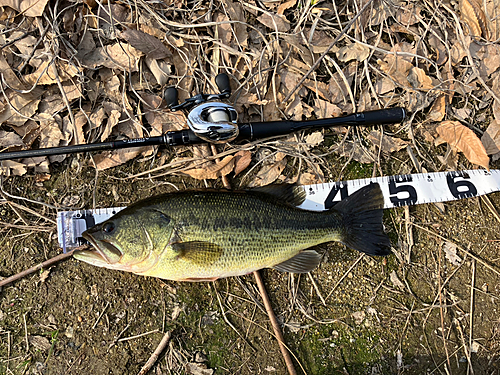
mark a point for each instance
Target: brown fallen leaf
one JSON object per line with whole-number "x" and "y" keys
{"x": 389, "y": 144}
{"x": 9, "y": 167}
{"x": 115, "y": 56}
{"x": 29, "y": 8}
{"x": 274, "y": 22}
{"x": 314, "y": 139}
{"x": 49, "y": 72}
{"x": 110, "y": 159}
{"x": 353, "y": 51}
{"x": 151, "y": 46}
{"x": 242, "y": 160}
{"x": 44, "y": 275}
{"x": 213, "y": 170}
{"x": 438, "y": 109}
{"x": 419, "y": 80}
{"x": 269, "y": 172}
{"x": 473, "y": 15}
{"x": 9, "y": 140}
{"x": 465, "y": 140}
{"x": 491, "y": 138}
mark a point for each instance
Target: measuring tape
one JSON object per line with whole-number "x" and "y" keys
{"x": 402, "y": 190}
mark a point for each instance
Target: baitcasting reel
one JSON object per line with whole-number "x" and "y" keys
{"x": 210, "y": 120}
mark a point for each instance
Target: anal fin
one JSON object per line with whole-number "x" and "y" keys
{"x": 303, "y": 262}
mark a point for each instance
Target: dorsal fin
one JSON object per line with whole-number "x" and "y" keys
{"x": 289, "y": 193}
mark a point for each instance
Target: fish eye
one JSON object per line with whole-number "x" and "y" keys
{"x": 108, "y": 227}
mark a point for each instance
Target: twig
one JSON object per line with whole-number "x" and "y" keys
{"x": 138, "y": 336}
{"x": 345, "y": 275}
{"x": 154, "y": 357}
{"x": 45, "y": 264}
{"x": 471, "y": 315}
{"x": 274, "y": 323}
{"x": 441, "y": 309}
{"x": 316, "y": 288}
{"x": 100, "y": 316}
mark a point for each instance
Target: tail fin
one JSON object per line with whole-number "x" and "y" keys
{"x": 362, "y": 216}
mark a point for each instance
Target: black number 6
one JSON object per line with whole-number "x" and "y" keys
{"x": 467, "y": 188}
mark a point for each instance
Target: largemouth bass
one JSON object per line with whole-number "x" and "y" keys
{"x": 206, "y": 235}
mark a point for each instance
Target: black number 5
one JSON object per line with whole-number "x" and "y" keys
{"x": 408, "y": 189}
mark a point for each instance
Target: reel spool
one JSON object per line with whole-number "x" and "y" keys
{"x": 210, "y": 120}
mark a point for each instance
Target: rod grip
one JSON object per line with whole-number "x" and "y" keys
{"x": 381, "y": 116}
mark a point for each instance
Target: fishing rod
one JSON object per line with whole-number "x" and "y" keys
{"x": 212, "y": 121}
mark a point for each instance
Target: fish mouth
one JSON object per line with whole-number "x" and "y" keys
{"x": 97, "y": 256}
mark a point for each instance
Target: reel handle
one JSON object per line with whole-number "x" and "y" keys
{"x": 222, "y": 82}
{"x": 171, "y": 96}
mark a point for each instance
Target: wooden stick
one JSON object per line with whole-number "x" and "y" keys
{"x": 45, "y": 264}
{"x": 154, "y": 357}
{"x": 274, "y": 322}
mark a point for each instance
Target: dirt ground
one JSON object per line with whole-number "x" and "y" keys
{"x": 84, "y": 72}
{"x": 380, "y": 316}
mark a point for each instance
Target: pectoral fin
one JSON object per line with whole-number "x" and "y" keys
{"x": 198, "y": 252}
{"x": 303, "y": 262}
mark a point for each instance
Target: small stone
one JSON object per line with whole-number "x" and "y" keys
{"x": 358, "y": 317}
{"x": 199, "y": 357}
{"x": 69, "y": 332}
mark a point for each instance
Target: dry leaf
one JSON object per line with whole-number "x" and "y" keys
{"x": 110, "y": 159}
{"x": 389, "y": 144}
{"x": 10, "y": 139}
{"x": 353, "y": 51}
{"x": 269, "y": 172}
{"x": 324, "y": 109}
{"x": 286, "y": 5}
{"x": 115, "y": 56}
{"x": 419, "y": 80}
{"x": 25, "y": 104}
{"x": 50, "y": 72}
{"x": 450, "y": 251}
{"x": 472, "y": 14}
{"x": 9, "y": 167}
{"x": 242, "y": 160}
{"x": 438, "y": 109}
{"x": 314, "y": 139}
{"x": 44, "y": 275}
{"x": 491, "y": 138}
{"x": 274, "y": 22}
{"x": 213, "y": 170}
{"x": 160, "y": 69}
{"x": 194, "y": 368}
{"x": 384, "y": 85}
{"x": 151, "y": 46}
{"x": 29, "y": 8}
{"x": 39, "y": 342}
{"x": 465, "y": 140}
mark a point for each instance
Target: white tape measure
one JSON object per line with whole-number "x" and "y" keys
{"x": 402, "y": 190}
